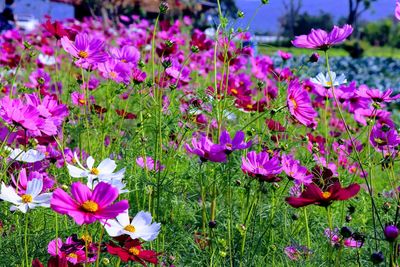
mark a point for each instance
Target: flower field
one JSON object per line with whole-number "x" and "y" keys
{"x": 152, "y": 143}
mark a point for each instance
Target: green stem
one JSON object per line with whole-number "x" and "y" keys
{"x": 26, "y": 240}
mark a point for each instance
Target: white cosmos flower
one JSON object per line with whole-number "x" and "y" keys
{"x": 30, "y": 200}
{"x": 325, "y": 81}
{"x": 29, "y": 156}
{"x": 46, "y": 59}
{"x": 139, "y": 227}
{"x": 104, "y": 172}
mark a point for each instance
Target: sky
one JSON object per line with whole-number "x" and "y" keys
{"x": 267, "y": 16}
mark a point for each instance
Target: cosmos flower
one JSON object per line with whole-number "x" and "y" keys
{"x": 72, "y": 251}
{"x": 383, "y": 139}
{"x": 206, "y": 149}
{"x": 299, "y": 104}
{"x": 322, "y": 40}
{"x": 87, "y": 51}
{"x": 237, "y": 143}
{"x": 57, "y": 30}
{"x": 103, "y": 172}
{"x": 31, "y": 199}
{"x": 126, "y": 54}
{"x": 295, "y": 171}
{"x": 315, "y": 195}
{"x": 86, "y": 206}
{"x": 337, "y": 239}
{"x": 261, "y": 166}
{"x": 140, "y": 226}
{"x": 131, "y": 250}
{"x": 377, "y": 95}
{"x": 284, "y": 55}
{"x": 326, "y": 82}
{"x": 397, "y": 10}
{"x": 29, "y": 156}
{"x": 149, "y": 164}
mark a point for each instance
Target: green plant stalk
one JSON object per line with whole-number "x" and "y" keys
{"x": 26, "y": 240}
{"x": 374, "y": 209}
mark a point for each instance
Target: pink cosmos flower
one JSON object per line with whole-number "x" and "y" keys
{"x": 85, "y": 206}
{"x": 397, "y": 11}
{"x": 87, "y": 51}
{"x": 261, "y": 166}
{"x": 377, "y": 95}
{"x": 320, "y": 39}
{"x": 295, "y": 171}
{"x": 114, "y": 70}
{"x": 299, "y": 104}
{"x": 206, "y": 149}
{"x": 78, "y": 99}
{"x": 126, "y": 54}
{"x": 149, "y": 164}
{"x": 284, "y": 55}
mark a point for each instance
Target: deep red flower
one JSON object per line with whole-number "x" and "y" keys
{"x": 58, "y": 31}
{"x": 131, "y": 250}
{"x": 315, "y": 195}
{"x": 125, "y": 114}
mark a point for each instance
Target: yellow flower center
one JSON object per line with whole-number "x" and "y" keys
{"x": 113, "y": 74}
{"x": 90, "y": 206}
{"x": 86, "y": 238}
{"x": 379, "y": 141}
{"x": 294, "y": 103}
{"x": 83, "y": 54}
{"x": 249, "y": 106}
{"x": 26, "y": 198}
{"x": 82, "y": 101}
{"x": 234, "y": 91}
{"x": 95, "y": 171}
{"x": 134, "y": 251}
{"x": 72, "y": 255}
{"x": 326, "y": 194}
{"x": 329, "y": 83}
{"x": 123, "y": 60}
{"x": 130, "y": 228}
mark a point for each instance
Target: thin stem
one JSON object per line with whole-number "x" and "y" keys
{"x": 26, "y": 240}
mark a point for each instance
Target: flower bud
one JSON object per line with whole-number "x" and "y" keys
{"x": 345, "y": 232}
{"x": 240, "y": 14}
{"x": 314, "y": 58}
{"x": 212, "y": 224}
{"x": 391, "y": 232}
{"x": 163, "y": 7}
{"x": 377, "y": 257}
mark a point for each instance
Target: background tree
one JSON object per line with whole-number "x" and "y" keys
{"x": 356, "y": 8}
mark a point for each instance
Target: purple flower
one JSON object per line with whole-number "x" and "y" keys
{"x": 384, "y": 139}
{"x": 397, "y": 10}
{"x": 295, "y": 171}
{"x": 114, "y": 70}
{"x": 149, "y": 164}
{"x": 39, "y": 79}
{"x": 237, "y": 143}
{"x": 284, "y": 55}
{"x": 320, "y": 39}
{"x": 126, "y": 54}
{"x": 261, "y": 166}
{"x": 87, "y": 51}
{"x": 78, "y": 99}
{"x": 300, "y": 106}
{"x": 377, "y": 95}
{"x": 296, "y": 252}
{"x": 206, "y": 149}
{"x": 391, "y": 232}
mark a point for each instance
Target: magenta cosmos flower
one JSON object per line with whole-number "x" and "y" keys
{"x": 322, "y": 40}
{"x": 237, "y": 143}
{"x": 85, "y": 206}
{"x": 87, "y": 51}
{"x": 397, "y": 10}
{"x": 206, "y": 150}
{"x": 299, "y": 104}
{"x": 261, "y": 166}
